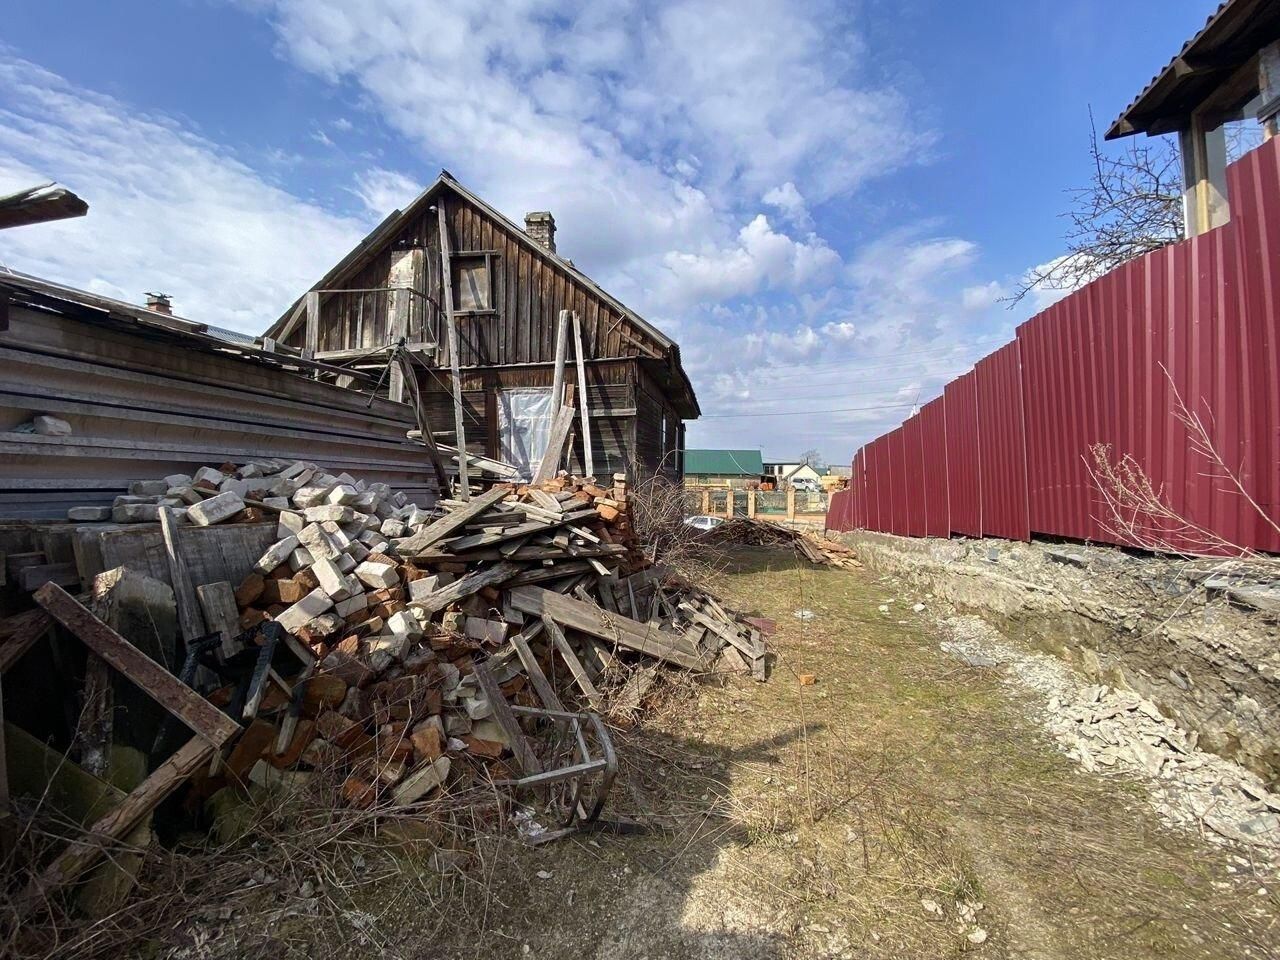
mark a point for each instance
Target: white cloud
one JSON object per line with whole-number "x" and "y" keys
{"x": 382, "y": 191}
{"x": 342, "y": 124}
{"x": 760, "y": 258}
{"x": 646, "y": 129}
{"x": 788, "y": 201}
{"x": 983, "y": 295}
{"x": 168, "y": 210}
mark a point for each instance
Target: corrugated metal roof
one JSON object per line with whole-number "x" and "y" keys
{"x": 1231, "y": 35}
{"x": 719, "y": 463}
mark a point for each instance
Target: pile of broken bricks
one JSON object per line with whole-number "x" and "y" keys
{"x": 414, "y": 633}
{"x": 408, "y": 650}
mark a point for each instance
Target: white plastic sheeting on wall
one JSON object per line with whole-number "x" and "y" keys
{"x": 524, "y": 427}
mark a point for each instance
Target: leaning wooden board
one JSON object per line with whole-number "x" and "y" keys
{"x": 612, "y": 628}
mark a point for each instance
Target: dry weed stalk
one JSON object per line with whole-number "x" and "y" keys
{"x": 1137, "y": 510}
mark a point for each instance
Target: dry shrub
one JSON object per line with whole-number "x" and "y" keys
{"x": 659, "y": 507}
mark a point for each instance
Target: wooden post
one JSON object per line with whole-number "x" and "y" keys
{"x": 190, "y": 620}
{"x": 584, "y": 407}
{"x": 557, "y": 384}
{"x": 451, "y": 328}
{"x": 1269, "y": 88}
{"x": 728, "y": 504}
{"x": 410, "y": 379}
{"x": 751, "y": 503}
{"x": 791, "y": 503}
{"x": 313, "y": 324}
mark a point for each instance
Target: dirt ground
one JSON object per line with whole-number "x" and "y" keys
{"x": 901, "y": 806}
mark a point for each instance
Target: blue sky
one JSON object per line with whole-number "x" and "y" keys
{"x": 821, "y": 201}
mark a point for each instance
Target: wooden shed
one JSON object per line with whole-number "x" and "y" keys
{"x": 506, "y": 289}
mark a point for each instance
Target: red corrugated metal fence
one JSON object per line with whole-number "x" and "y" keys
{"x": 1171, "y": 363}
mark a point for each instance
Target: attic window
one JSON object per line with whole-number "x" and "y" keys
{"x": 473, "y": 281}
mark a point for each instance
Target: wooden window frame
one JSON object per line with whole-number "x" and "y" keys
{"x": 489, "y": 257}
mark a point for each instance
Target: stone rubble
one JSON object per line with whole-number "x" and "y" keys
{"x": 1119, "y": 733}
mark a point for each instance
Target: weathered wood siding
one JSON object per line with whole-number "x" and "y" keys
{"x": 140, "y": 409}
{"x": 529, "y": 291}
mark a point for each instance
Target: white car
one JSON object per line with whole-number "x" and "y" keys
{"x": 704, "y": 522}
{"x": 807, "y": 485}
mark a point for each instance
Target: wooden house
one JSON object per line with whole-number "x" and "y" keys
{"x": 449, "y": 255}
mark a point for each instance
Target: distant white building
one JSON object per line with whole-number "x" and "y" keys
{"x": 786, "y": 473}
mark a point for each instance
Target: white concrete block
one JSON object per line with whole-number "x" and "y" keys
{"x": 209, "y": 475}
{"x": 89, "y": 514}
{"x": 178, "y": 480}
{"x": 423, "y": 587}
{"x": 311, "y": 495}
{"x": 300, "y": 559}
{"x": 187, "y": 494}
{"x": 377, "y": 574}
{"x": 290, "y": 523}
{"x": 329, "y": 511}
{"x": 392, "y": 528}
{"x": 396, "y": 645}
{"x": 215, "y": 509}
{"x": 148, "y": 488}
{"x": 317, "y": 541}
{"x": 404, "y": 623}
{"x": 357, "y": 551}
{"x": 331, "y": 580}
{"x": 276, "y": 554}
{"x": 305, "y": 610}
{"x": 293, "y": 470}
{"x": 343, "y": 493}
{"x": 278, "y": 503}
{"x": 337, "y": 536}
{"x": 346, "y": 562}
{"x": 353, "y": 604}
{"x": 47, "y": 426}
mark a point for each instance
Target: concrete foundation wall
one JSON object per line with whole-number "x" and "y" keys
{"x": 1143, "y": 623}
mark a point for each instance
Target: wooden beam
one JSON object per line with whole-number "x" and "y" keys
{"x": 451, "y": 330}
{"x": 551, "y": 457}
{"x": 167, "y": 690}
{"x": 589, "y": 619}
{"x": 409, "y": 377}
{"x": 466, "y": 586}
{"x": 20, "y": 632}
{"x": 557, "y": 383}
{"x": 584, "y": 405}
{"x": 455, "y": 519}
{"x": 526, "y": 760}
{"x": 313, "y": 324}
{"x": 541, "y": 685}
{"x": 190, "y": 621}
{"x": 83, "y": 853}
{"x": 571, "y": 660}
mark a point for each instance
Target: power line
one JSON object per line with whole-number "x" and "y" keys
{"x": 804, "y": 413}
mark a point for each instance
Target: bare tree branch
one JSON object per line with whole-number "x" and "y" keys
{"x": 1131, "y": 206}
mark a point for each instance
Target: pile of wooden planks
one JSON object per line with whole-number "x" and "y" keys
{"x": 407, "y": 636}
{"x": 755, "y": 532}
{"x": 402, "y": 654}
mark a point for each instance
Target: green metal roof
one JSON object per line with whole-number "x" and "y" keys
{"x": 720, "y": 463}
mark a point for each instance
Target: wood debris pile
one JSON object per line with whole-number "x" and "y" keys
{"x": 399, "y": 640}
{"x": 761, "y": 533}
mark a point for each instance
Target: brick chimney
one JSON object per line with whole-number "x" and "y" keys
{"x": 541, "y": 226}
{"x": 160, "y": 303}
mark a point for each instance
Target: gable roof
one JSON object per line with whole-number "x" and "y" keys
{"x": 745, "y": 463}
{"x": 368, "y": 248}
